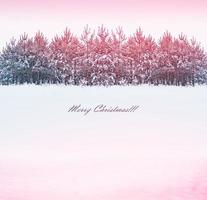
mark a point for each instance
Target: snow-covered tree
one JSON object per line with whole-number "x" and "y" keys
{"x": 63, "y": 55}
{"x": 180, "y": 61}
{"x": 119, "y": 60}
{"x": 197, "y": 63}
{"x": 141, "y": 54}
{"x": 86, "y": 56}
{"x": 42, "y": 72}
{"x": 103, "y": 58}
{"x": 14, "y": 61}
{"x": 103, "y": 67}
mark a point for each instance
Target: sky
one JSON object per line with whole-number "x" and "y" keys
{"x": 52, "y": 17}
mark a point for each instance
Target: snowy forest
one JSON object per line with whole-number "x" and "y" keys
{"x": 103, "y": 57}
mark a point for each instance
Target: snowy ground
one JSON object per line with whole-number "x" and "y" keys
{"x": 156, "y": 153}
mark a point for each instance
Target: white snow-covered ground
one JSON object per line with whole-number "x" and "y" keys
{"x": 158, "y": 152}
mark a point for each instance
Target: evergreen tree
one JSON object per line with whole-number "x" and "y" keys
{"x": 63, "y": 56}
{"x": 103, "y": 58}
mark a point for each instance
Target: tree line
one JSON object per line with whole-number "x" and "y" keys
{"x": 103, "y": 57}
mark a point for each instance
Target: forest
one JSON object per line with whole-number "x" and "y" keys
{"x": 103, "y": 57}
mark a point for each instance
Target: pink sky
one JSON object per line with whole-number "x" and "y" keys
{"x": 113, "y": 6}
{"x": 154, "y": 17}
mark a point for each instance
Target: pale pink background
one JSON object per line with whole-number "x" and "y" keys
{"x": 158, "y": 153}
{"x": 155, "y": 17}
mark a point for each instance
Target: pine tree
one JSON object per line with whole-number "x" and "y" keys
{"x": 103, "y": 58}
{"x": 63, "y": 54}
{"x": 103, "y": 64}
{"x": 118, "y": 42}
{"x": 41, "y": 71}
{"x": 10, "y": 63}
{"x": 86, "y": 56}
